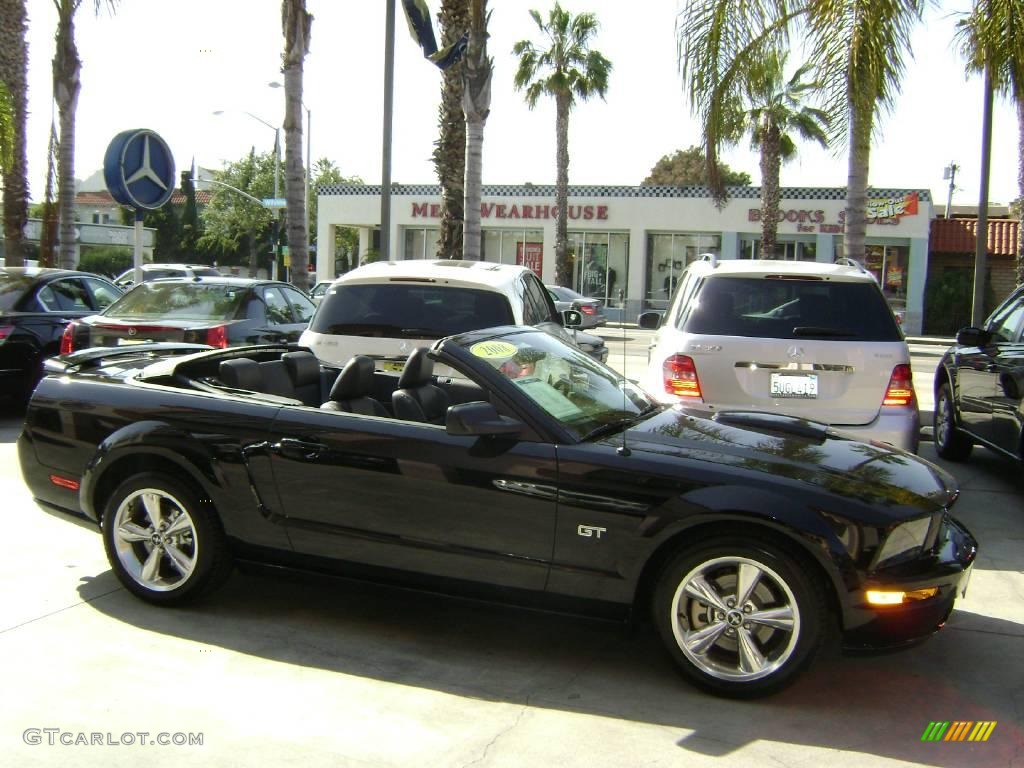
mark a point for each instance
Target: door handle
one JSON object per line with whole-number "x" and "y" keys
{"x": 300, "y": 450}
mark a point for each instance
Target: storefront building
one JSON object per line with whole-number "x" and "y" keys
{"x": 629, "y": 244}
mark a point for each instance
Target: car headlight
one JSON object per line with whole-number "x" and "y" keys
{"x": 908, "y": 540}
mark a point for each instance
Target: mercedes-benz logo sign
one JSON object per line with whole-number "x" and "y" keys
{"x": 795, "y": 353}
{"x": 139, "y": 169}
{"x": 132, "y": 331}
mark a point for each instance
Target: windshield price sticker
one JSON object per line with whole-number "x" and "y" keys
{"x": 493, "y": 350}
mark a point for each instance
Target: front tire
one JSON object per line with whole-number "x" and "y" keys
{"x": 738, "y": 617}
{"x": 950, "y": 442}
{"x": 163, "y": 541}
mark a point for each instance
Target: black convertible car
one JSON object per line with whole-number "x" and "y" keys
{"x": 537, "y": 475}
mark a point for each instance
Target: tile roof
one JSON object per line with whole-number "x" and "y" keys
{"x": 202, "y": 197}
{"x": 103, "y": 198}
{"x": 958, "y": 236}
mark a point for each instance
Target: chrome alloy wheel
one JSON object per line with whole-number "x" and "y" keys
{"x": 944, "y": 418}
{"x": 735, "y": 619}
{"x": 155, "y": 539}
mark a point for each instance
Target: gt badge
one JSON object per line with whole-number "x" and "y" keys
{"x": 590, "y": 531}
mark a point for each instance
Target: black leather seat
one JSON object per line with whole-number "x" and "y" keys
{"x": 240, "y": 373}
{"x": 352, "y": 388}
{"x": 416, "y": 398}
{"x": 304, "y": 371}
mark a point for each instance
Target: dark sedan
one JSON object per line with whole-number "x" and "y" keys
{"x": 534, "y": 474}
{"x": 35, "y": 307}
{"x": 979, "y": 387}
{"x": 218, "y": 311}
{"x": 567, "y": 298}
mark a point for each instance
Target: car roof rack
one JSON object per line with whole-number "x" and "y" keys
{"x": 710, "y": 257}
{"x": 848, "y": 262}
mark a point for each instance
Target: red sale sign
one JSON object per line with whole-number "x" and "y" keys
{"x": 531, "y": 255}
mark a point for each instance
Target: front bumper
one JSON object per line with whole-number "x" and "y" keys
{"x": 947, "y": 568}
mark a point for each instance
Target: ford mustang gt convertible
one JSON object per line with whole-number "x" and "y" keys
{"x": 533, "y": 474}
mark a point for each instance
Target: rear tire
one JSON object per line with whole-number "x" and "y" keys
{"x": 163, "y": 540}
{"x": 740, "y": 618}
{"x": 950, "y": 442}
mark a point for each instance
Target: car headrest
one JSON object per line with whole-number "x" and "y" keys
{"x": 355, "y": 379}
{"x": 241, "y": 373}
{"x": 418, "y": 369}
{"x": 303, "y": 367}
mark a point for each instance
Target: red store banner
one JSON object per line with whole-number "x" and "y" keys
{"x": 531, "y": 255}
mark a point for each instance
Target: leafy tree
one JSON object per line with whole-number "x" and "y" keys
{"x": 449, "y": 153}
{"x": 991, "y": 38}
{"x": 346, "y": 239}
{"x": 66, "y": 86}
{"x": 687, "y": 167}
{"x": 13, "y": 125}
{"x": 772, "y": 108}
{"x": 233, "y": 223}
{"x": 109, "y": 260}
{"x": 189, "y": 228}
{"x": 563, "y": 67}
{"x": 857, "y": 48}
{"x": 296, "y": 24}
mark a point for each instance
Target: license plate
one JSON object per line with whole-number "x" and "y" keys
{"x": 794, "y": 385}
{"x": 126, "y": 342}
{"x": 392, "y": 365}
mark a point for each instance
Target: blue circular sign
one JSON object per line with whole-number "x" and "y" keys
{"x": 139, "y": 169}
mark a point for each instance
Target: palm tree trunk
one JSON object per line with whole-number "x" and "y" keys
{"x": 296, "y": 23}
{"x": 476, "y": 103}
{"x": 449, "y": 154}
{"x": 563, "y": 267}
{"x": 66, "y": 87}
{"x": 1020, "y": 185}
{"x": 857, "y": 184}
{"x": 770, "y": 162}
{"x": 13, "y": 73}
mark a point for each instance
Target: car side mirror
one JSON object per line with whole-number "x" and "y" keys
{"x": 649, "y": 320}
{"x": 479, "y": 419}
{"x": 972, "y": 337}
{"x": 572, "y": 318}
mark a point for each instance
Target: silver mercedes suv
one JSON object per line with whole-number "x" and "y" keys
{"x": 812, "y": 340}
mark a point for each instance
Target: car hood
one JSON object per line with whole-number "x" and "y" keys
{"x": 761, "y": 444}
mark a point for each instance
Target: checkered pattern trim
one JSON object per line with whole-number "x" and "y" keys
{"x": 591, "y": 191}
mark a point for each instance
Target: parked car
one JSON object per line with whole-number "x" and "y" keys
{"x": 535, "y": 473}
{"x": 218, "y": 311}
{"x": 803, "y": 339}
{"x": 159, "y": 271}
{"x": 979, "y": 387}
{"x": 404, "y": 304}
{"x": 35, "y": 307}
{"x": 319, "y": 290}
{"x": 567, "y": 298}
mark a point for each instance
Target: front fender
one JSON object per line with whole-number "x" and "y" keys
{"x": 155, "y": 439}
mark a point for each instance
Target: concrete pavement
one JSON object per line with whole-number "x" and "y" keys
{"x": 310, "y": 672}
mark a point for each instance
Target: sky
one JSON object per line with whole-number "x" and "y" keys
{"x": 168, "y": 66}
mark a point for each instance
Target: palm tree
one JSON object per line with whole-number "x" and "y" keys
{"x": 66, "y": 87}
{"x": 991, "y": 38}
{"x": 449, "y": 154}
{"x": 771, "y": 110}
{"x": 857, "y": 49}
{"x": 564, "y": 68}
{"x": 13, "y": 127}
{"x": 295, "y": 24}
{"x": 476, "y": 103}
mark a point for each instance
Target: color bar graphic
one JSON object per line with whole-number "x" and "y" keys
{"x": 958, "y": 730}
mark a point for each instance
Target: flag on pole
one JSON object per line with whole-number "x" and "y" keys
{"x": 417, "y": 15}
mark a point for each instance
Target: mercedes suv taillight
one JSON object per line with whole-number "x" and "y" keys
{"x": 680, "y": 377}
{"x": 900, "y": 391}
{"x": 67, "y": 339}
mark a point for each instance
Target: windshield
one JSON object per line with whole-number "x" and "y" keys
{"x": 409, "y": 310}
{"x": 11, "y": 289}
{"x": 584, "y": 396}
{"x": 179, "y": 301}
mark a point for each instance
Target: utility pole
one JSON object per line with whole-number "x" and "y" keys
{"x": 981, "y": 241}
{"x": 389, "y": 97}
{"x": 949, "y": 172}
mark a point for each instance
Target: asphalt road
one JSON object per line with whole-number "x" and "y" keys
{"x": 304, "y": 671}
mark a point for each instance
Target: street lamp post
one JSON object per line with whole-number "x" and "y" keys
{"x": 277, "y": 176}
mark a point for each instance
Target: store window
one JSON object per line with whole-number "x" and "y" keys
{"x": 667, "y": 257}
{"x": 420, "y": 243}
{"x": 514, "y": 246}
{"x": 796, "y": 250}
{"x": 889, "y": 264}
{"x": 600, "y": 265}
